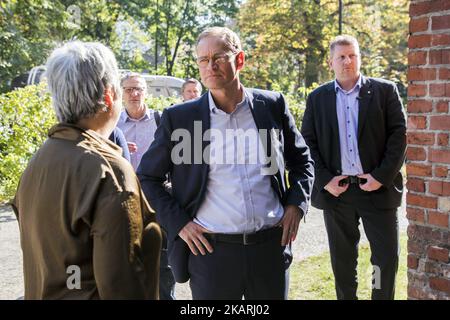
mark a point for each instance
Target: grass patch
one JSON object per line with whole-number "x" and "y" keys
{"x": 312, "y": 278}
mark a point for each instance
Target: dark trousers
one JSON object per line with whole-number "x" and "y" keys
{"x": 233, "y": 271}
{"x": 381, "y": 228}
{"x": 166, "y": 278}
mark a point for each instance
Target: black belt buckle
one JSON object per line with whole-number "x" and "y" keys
{"x": 353, "y": 180}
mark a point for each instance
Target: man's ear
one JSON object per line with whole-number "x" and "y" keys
{"x": 240, "y": 60}
{"x": 330, "y": 64}
{"x": 109, "y": 97}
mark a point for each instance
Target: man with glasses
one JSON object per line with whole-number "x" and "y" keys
{"x": 229, "y": 221}
{"x": 139, "y": 124}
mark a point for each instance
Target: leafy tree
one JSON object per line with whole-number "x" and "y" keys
{"x": 287, "y": 40}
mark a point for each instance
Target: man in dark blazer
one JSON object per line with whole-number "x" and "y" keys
{"x": 229, "y": 221}
{"x": 356, "y": 130}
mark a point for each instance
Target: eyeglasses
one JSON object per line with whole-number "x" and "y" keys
{"x": 130, "y": 90}
{"x": 219, "y": 59}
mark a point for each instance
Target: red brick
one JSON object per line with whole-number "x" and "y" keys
{"x": 419, "y": 41}
{"x": 438, "y": 219}
{"x": 417, "y": 90}
{"x": 421, "y": 74}
{"x": 441, "y": 172}
{"x": 440, "y": 39}
{"x": 440, "y": 123}
{"x": 441, "y": 56}
{"x": 437, "y": 90}
{"x": 440, "y": 22}
{"x": 418, "y": 24}
{"x": 421, "y": 201}
{"x": 418, "y": 170}
{"x": 420, "y": 138}
{"x": 437, "y": 155}
{"x": 415, "y": 214}
{"x": 420, "y": 106}
{"x": 417, "y": 9}
{"x": 415, "y": 247}
{"x": 444, "y": 74}
{"x": 413, "y": 262}
{"x": 441, "y": 188}
{"x": 417, "y": 122}
{"x": 416, "y": 154}
{"x": 417, "y": 58}
{"x": 440, "y": 284}
{"x": 438, "y": 253}
{"x": 442, "y": 107}
{"x": 442, "y": 139}
{"x": 415, "y": 184}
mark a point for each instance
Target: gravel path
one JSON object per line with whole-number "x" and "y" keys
{"x": 311, "y": 241}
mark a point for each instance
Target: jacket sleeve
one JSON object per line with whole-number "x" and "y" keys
{"x": 156, "y": 163}
{"x": 299, "y": 165}
{"x": 322, "y": 174}
{"x": 123, "y": 268}
{"x": 395, "y": 149}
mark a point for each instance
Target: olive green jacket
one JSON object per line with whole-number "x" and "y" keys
{"x": 86, "y": 229}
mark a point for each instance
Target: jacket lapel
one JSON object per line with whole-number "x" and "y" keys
{"x": 204, "y": 116}
{"x": 330, "y": 110}
{"x": 365, "y": 95}
{"x": 261, "y": 117}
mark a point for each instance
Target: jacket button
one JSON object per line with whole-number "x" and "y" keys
{"x": 338, "y": 171}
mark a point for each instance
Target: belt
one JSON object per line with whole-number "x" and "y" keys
{"x": 352, "y": 180}
{"x": 246, "y": 238}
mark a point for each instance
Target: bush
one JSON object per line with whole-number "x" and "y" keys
{"x": 26, "y": 117}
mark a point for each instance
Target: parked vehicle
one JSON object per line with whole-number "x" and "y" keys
{"x": 156, "y": 85}
{"x": 163, "y": 85}
{"x": 34, "y": 76}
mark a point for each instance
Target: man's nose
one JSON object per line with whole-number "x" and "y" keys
{"x": 212, "y": 64}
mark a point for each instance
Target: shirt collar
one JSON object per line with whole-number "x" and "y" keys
{"x": 213, "y": 107}
{"x": 357, "y": 86}
{"x": 146, "y": 116}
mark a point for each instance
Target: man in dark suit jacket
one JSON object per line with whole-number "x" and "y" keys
{"x": 356, "y": 130}
{"x": 238, "y": 214}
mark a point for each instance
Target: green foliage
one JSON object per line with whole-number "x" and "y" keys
{"x": 26, "y": 116}
{"x": 161, "y": 102}
{"x": 156, "y": 36}
{"x": 286, "y": 41}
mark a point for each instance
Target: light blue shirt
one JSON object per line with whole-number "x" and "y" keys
{"x": 347, "y": 108}
{"x": 140, "y": 131}
{"x": 239, "y": 199}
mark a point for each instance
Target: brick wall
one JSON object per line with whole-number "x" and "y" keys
{"x": 428, "y": 155}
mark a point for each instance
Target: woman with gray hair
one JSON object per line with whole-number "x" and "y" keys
{"x": 86, "y": 229}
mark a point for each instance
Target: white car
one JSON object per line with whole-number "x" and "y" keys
{"x": 156, "y": 85}
{"x": 163, "y": 85}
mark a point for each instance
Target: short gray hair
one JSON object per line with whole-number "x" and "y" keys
{"x": 229, "y": 37}
{"x": 78, "y": 74}
{"x": 194, "y": 81}
{"x": 343, "y": 40}
{"x": 130, "y": 75}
